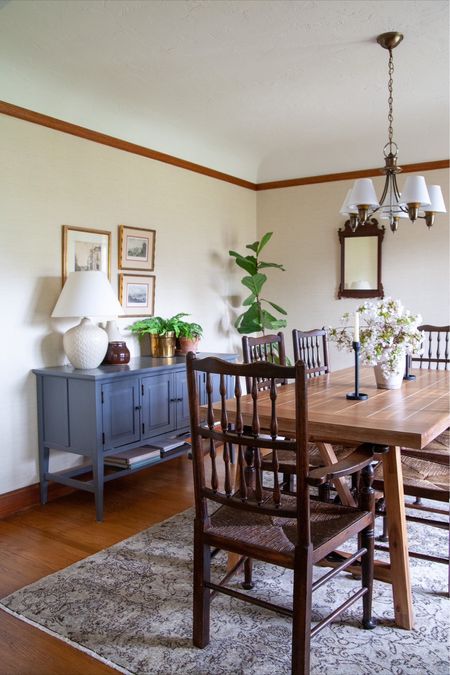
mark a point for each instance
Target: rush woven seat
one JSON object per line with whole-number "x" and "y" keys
{"x": 250, "y": 521}
{"x": 430, "y": 479}
{"x": 270, "y": 533}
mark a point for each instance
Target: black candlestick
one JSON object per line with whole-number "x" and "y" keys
{"x": 356, "y": 395}
{"x": 407, "y": 375}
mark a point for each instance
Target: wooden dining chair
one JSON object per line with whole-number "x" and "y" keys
{"x": 426, "y": 473}
{"x": 311, "y": 347}
{"x": 291, "y": 531}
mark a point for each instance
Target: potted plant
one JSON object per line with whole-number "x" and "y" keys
{"x": 389, "y": 333}
{"x": 162, "y": 333}
{"x": 189, "y": 335}
{"x": 257, "y": 318}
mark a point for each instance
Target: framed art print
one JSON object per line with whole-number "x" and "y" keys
{"x": 84, "y": 249}
{"x": 136, "y": 248}
{"x": 137, "y": 294}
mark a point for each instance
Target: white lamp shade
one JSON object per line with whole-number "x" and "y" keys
{"x": 437, "y": 204}
{"x": 346, "y": 209}
{"x": 87, "y": 294}
{"x": 415, "y": 191}
{"x": 363, "y": 193}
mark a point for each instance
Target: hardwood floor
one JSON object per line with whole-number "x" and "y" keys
{"x": 44, "y": 539}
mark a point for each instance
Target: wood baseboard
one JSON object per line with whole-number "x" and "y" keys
{"x": 24, "y": 498}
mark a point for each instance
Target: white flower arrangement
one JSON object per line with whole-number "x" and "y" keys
{"x": 390, "y": 332}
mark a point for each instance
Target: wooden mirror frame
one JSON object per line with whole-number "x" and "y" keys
{"x": 370, "y": 229}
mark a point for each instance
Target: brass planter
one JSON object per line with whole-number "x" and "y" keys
{"x": 162, "y": 346}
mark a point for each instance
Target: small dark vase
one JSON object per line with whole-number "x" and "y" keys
{"x": 117, "y": 353}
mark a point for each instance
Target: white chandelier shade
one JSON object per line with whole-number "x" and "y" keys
{"x": 363, "y": 192}
{"x": 415, "y": 191}
{"x": 437, "y": 204}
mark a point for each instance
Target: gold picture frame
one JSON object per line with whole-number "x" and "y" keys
{"x": 137, "y": 294}
{"x": 85, "y": 249}
{"x": 136, "y": 248}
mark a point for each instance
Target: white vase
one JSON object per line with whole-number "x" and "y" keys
{"x": 392, "y": 380}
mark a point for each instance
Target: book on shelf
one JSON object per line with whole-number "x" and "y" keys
{"x": 130, "y": 458}
{"x": 173, "y": 451}
{"x": 168, "y": 443}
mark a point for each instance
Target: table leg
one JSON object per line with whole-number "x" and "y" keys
{"x": 329, "y": 456}
{"x": 398, "y": 539}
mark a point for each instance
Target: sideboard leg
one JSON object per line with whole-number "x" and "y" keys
{"x": 98, "y": 471}
{"x": 44, "y": 455}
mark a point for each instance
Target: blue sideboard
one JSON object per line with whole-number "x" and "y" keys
{"x": 109, "y": 409}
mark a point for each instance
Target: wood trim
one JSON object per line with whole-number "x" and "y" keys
{"x": 350, "y": 175}
{"x": 119, "y": 144}
{"x": 24, "y": 498}
{"x": 113, "y": 142}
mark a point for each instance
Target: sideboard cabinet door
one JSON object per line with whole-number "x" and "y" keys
{"x": 120, "y": 412}
{"x": 158, "y": 398}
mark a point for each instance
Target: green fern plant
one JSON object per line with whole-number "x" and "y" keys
{"x": 257, "y": 318}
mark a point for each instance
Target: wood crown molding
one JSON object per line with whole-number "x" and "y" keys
{"x": 113, "y": 142}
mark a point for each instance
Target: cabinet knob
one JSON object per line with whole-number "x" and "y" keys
{"x": 137, "y": 407}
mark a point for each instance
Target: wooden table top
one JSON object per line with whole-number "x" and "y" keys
{"x": 411, "y": 416}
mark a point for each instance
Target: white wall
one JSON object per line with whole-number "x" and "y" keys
{"x": 305, "y": 222}
{"x": 48, "y": 179}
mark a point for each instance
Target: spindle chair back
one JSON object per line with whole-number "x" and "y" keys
{"x": 267, "y": 348}
{"x": 311, "y": 347}
{"x": 435, "y": 348}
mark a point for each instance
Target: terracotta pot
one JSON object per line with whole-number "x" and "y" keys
{"x": 391, "y": 381}
{"x": 162, "y": 346}
{"x": 185, "y": 345}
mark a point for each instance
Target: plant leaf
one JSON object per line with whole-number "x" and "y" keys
{"x": 250, "y": 300}
{"x": 254, "y": 246}
{"x": 277, "y": 307}
{"x": 269, "y": 321}
{"x": 255, "y": 282}
{"x": 249, "y": 322}
{"x": 248, "y": 263}
{"x": 266, "y": 264}
{"x": 264, "y": 240}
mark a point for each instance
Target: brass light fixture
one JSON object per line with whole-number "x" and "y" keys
{"x": 416, "y": 200}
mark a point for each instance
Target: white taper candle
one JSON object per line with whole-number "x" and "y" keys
{"x": 356, "y": 334}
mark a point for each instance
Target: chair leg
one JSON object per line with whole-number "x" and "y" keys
{"x": 367, "y": 503}
{"x": 202, "y": 573}
{"x": 325, "y": 492}
{"x": 248, "y": 572}
{"x": 301, "y": 617}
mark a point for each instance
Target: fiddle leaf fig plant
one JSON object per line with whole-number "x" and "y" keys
{"x": 257, "y": 318}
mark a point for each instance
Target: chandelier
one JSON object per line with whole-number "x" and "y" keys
{"x": 417, "y": 200}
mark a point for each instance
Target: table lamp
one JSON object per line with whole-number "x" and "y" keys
{"x": 86, "y": 294}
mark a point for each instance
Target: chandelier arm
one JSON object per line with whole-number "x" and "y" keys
{"x": 385, "y": 191}
{"x": 397, "y": 195}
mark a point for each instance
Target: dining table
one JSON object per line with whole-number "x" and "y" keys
{"x": 410, "y": 416}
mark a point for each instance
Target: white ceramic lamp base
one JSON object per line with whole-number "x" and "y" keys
{"x": 85, "y": 345}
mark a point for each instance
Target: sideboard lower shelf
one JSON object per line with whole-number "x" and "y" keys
{"x": 108, "y": 410}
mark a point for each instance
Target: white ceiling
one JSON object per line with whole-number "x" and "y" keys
{"x": 261, "y": 89}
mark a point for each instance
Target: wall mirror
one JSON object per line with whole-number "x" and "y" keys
{"x": 361, "y": 261}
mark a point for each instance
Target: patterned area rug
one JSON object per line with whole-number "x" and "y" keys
{"x": 130, "y": 606}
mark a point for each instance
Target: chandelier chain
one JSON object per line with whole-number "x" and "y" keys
{"x": 390, "y": 99}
